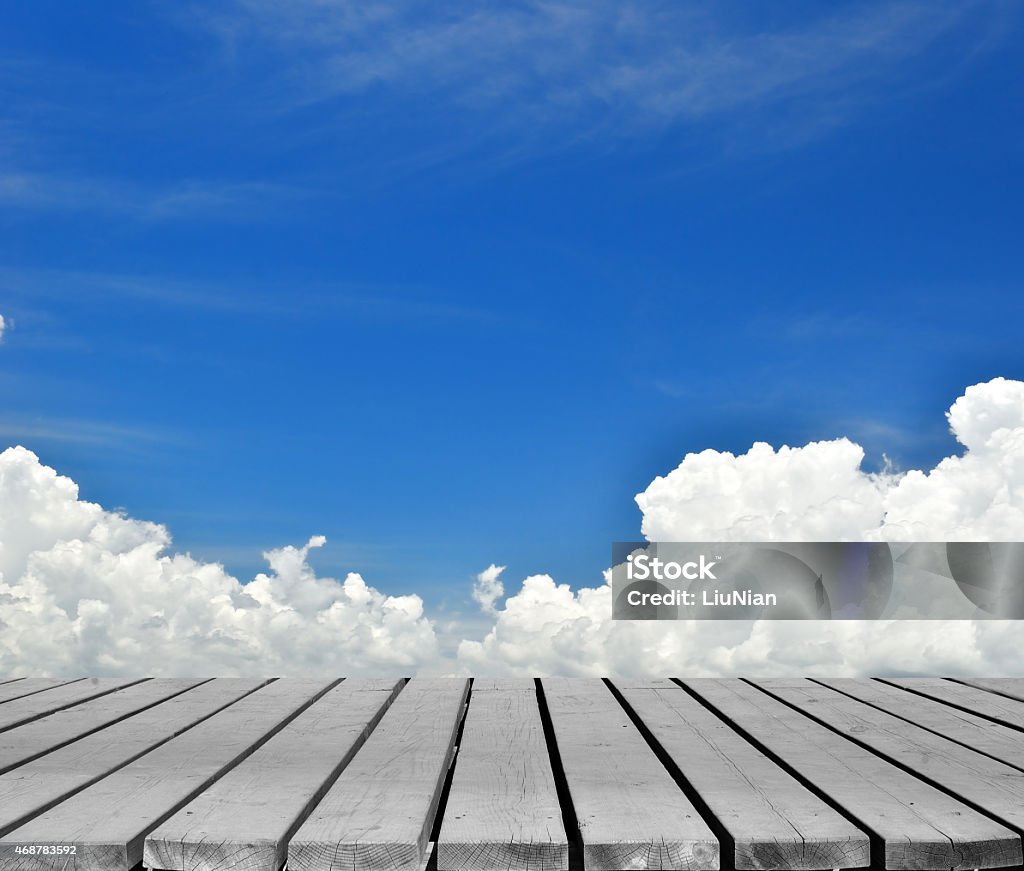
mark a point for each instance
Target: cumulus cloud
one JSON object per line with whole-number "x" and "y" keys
{"x": 817, "y": 492}
{"x": 549, "y": 629}
{"x": 83, "y": 589}
{"x": 3, "y": 327}
{"x": 488, "y": 588}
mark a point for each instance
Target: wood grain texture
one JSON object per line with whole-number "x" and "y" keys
{"x": 978, "y": 701}
{"x": 33, "y": 788}
{"x": 31, "y": 740}
{"x": 631, "y": 813}
{"x": 230, "y": 775}
{"x": 919, "y": 826}
{"x": 244, "y": 821}
{"x": 505, "y": 684}
{"x": 993, "y": 787}
{"x": 503, "y": 810}
{"x": 982, "y": 735}
{"x": 1012, "y": 687}
{"x": 379, "y": 813}
{"x": 17, "y": 689}
{"x": 109, "y": 820}
{"x": 772, "y": 819}
{"x": 28, "y": 708}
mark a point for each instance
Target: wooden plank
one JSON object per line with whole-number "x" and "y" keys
{"x": 33, "y": 788}
{"x": 29, "y": 686}
{"x": 29, "y": 708}
{"x": 380, "y": 811}
{"x": 988, "y": 784}
{"x": 976, "y": 700}
{"x": 1013, "y": 687}
{"x": 503, "y": 809}
{"x": 504, "y": 684}
{"x": 993, "y": 739}
{"x": 631, "y": 813}
{"x": 772, "y": 819}
{"x": 30, "y": 740}
{"x": 245, "y": 820}
{"x": 109, "y": 820}
{"x": 918, "y": 825}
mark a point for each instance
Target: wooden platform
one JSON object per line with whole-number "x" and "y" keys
{"x": 510, "y": 775}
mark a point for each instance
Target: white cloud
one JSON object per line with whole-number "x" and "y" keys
{"x": 3, "y": 327}
{"x": 488, "y": 588}
{"x": 88, "y": 590}
{"x": 819, "y": 492}
{"x": 814, "y": 492}
{"x": 616, "y": 67}
{"x": 546, "y": 628}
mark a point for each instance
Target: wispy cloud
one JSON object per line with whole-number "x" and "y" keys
{"x": 16, "y": 429}
{"x": 620, "y": 68}
{"x": 315, "y": 299}
{"x": 189, "y": 199}
{"x": 924, "y": 326}
{"x": 379, "y": 91}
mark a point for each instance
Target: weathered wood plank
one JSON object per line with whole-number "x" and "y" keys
{"x": 1013, "y": 687}
{"x": 379, "y": 813}
{"x": 109, "y": 820}
{"x": 244, "y": 821}
{"x": 28, "y": 686}
{"x": 505, "y": 684}
{"x": 993, "y": 739}
{"x": 772, "y": 819}
{"x": 993, "y": 787}
{"x": 26, "y": 708}
{"x": 976, "y": 700}
{"x": 33, "y": 788}
{"x": 503, "y": 810}
{"x": 26, "y": 742}
{"x": 631, "y": 813}
{"x": 919, "y": 826}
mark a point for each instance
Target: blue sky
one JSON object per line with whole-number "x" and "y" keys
{"x": 450, "y": 289}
